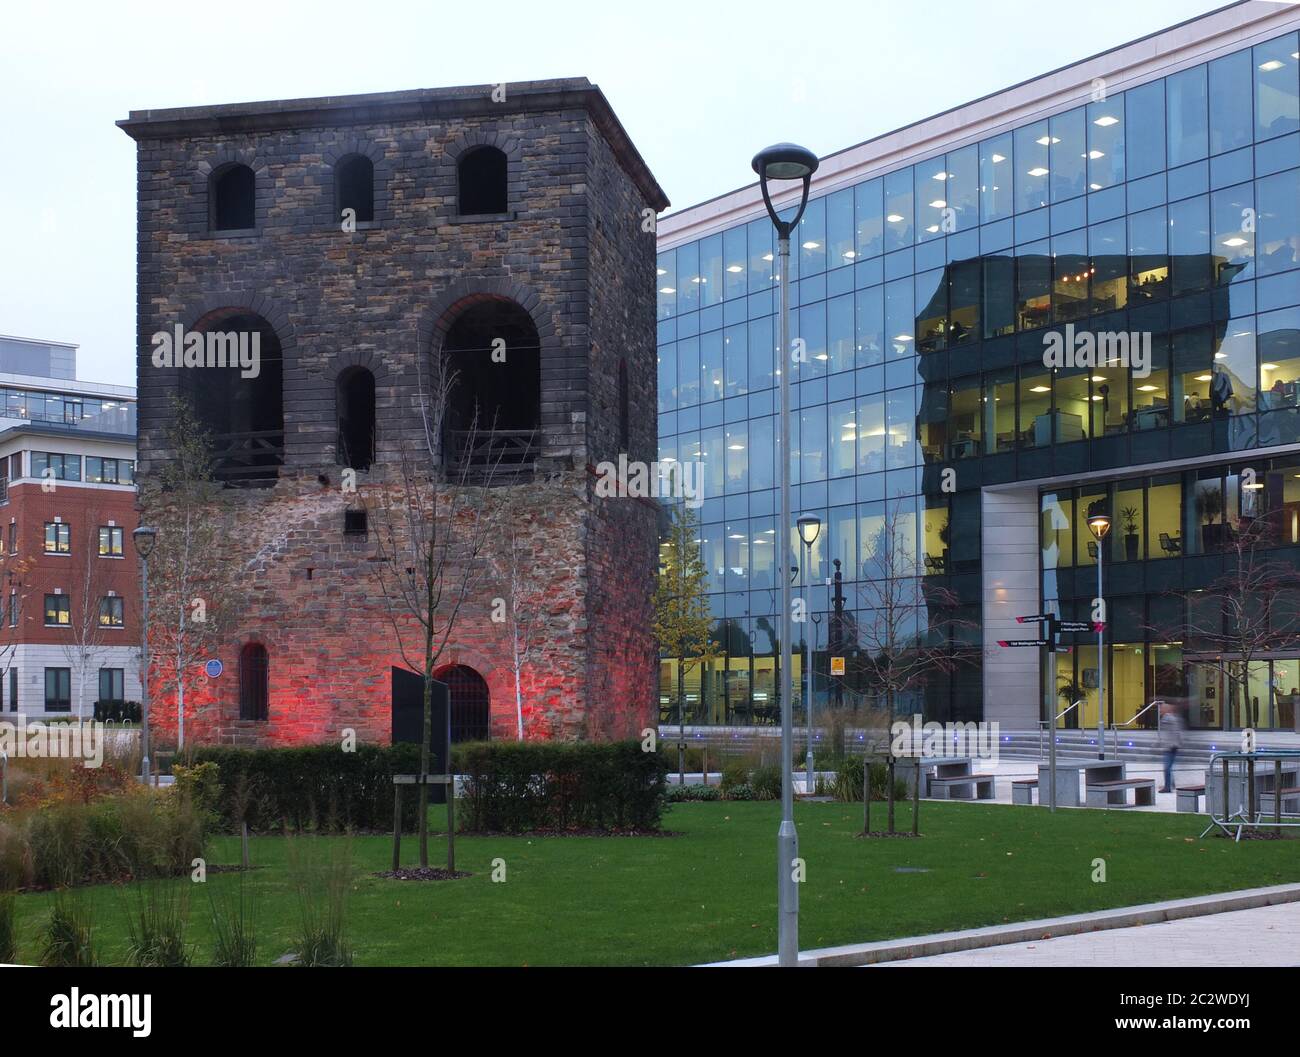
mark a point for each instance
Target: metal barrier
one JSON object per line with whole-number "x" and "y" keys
{"x": 1246, "y": 814}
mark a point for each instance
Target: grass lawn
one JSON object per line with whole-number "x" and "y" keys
{"x": 709, "y": 893}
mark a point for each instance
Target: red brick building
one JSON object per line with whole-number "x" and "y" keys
{"x": 69, "y": 584}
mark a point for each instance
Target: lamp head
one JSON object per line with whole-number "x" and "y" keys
{"x": 784, "y": 161}
{"x": 1098, "y": 522}
{"x": 809, "y": 526}
{"x": 144, "y": 538}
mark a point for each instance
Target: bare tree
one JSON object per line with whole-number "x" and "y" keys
{"x": 89, "y": 610}
{"x": 1249, "y": 611}
{"x": 906, "y": 630}
{"x": 433, "y": 523}
{"x": 193, "y": 591}
{"x": 521, "y": 610}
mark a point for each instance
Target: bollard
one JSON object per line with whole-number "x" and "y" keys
{"x": 246, "y": 858}
{"x": 397, "y": 827}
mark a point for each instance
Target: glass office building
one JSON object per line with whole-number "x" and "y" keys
{"x": 1144, "y": 203}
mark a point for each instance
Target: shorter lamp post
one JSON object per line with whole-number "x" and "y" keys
{"x": 145, "y": 539}
{"x": 1099, "y": 526}
{"x": 810, "y": 526}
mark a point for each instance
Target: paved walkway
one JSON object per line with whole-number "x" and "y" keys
{"x": 1262, "y": 936}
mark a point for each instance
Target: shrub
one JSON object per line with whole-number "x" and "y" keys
{"x": 8, "y": 933}
{"x": 310, "y": 788}
{"x": 514, "y": 787}
{"x": 323, "y": 882}
{"x": 15, "y": 855}
{"x": 678, "y": 794}
{"x": 156, "y": 925}
{"x": 201, "y": 785}
{"x": 847, "y": 783}
{"x": 765, "y": 781}
{"x": 734, "y": 773}
{"x": 68, "y": 940}
{"x": 142, "y": 833}
{"x": 743, "y": 791}
{"x": 234, "y": 926}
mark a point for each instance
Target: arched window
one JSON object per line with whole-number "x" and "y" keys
{"x": 233, "y": 195}
{"x": 244, "y": 415}
{"x": 356, "y": 415}
{"x": 254, "y": 681}
{"x": 354, "y": 187}
{"x": 481, "y": 180}
{"x": 623, "y": 428}
{"x": 469, "y": 701}
{"x": 493, "y": 413}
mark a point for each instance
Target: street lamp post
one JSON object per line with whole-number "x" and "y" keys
{"x": 144, "y": 539}
{"x": 785, "y": 161}
{"x": 1099, "y": 526}
{"x": 809, "y": 527}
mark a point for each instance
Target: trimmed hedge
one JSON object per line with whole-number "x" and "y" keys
{"x": 314, "y": 787}
{"x": 515, "y": 787}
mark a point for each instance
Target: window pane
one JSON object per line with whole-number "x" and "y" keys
{"x": 1230, "y": 106}
{"x": 711, "y": 270}
{"x": 839, "y": 229}
{"x": 996, "y": 178}
{"x": 811, "y": 238}
{"x": 965, "y": 417}
{"x": 1073, "y": 404}
{"x": 870, "y": 325}
{"x": 1036, "y": 407}
{"x": 962, "y": 190}
{"x": 812, "y": 328}
{"x": 762, "y": 353}
{"x": 931, "y": 179}
{"x": 668, "y": 377}
{"x": 688, "y": 372}
{"x": 1106, "y": 143}
{"x": 1233, "y": 231}
{"x": 688, "y": 277}
{"x": 843, "y": 439}
{"x": 931, "y": 299}
{"x": 762, "y": 265}
{"x": 734, "y": 261}
{"x": 1187, "y": 110}
{"x": 1033, "y": 286}
{"x": 1189, "y": 244}
{"x": 1278, "y": 231}
{"x": 867, "y": 211}
{"x": 667, "y": 282}
{"x": 735, "y": 360}
{"x": 963, "y": 302}
{"x": 1148, "y": 247}
{"x": 711, "y": 366}
{"x": 1277, "y": 89}
{"x": 899, "y": 217}
{"x": 899, "y": 320}
{"x": 1070, "y": 275}
{"x": 1069, "y": 150}
{"x": 1032, "y": 166}
{"x": 839, "y": 332}
{"x": 1144, "y": 115}
{"x": 999, "y": 296}
{"x": 900, "y": 411}
{"x": 871, "y": 434}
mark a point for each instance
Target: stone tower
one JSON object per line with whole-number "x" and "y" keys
{"x": 352, "y": 243}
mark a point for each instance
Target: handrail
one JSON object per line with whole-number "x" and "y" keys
{"x": 1114, "y": 727}
{"x": 1043, "y": 724}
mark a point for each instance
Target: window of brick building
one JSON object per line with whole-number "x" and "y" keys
{"x": 481, "y": 182}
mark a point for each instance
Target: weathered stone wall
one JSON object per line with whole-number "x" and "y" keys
{"x": 569, "y": 251}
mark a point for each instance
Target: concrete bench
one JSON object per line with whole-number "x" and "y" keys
{"x": 1022, "y": 790}
{"x": 950, "y": 786}
{"x": 1189, "y": 798}
{"x": 1115, "y": 794}
{"x": 1290, "y": 803}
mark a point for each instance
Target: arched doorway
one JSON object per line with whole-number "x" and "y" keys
{"x": 470, "y": 703}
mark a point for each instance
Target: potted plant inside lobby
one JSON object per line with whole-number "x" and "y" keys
{"x": 1131, "y": 540}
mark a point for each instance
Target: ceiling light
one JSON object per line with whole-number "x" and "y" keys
{"x": 933, "y": 229}
{"x": 1205, "y": 377}
{"x": 667, "y": 289}
{"x": 1148, "y": 388}
{"x": 893, "y": 218}
{"x": 1271, "y": 65}
{"x": 810, "y": 245}
{"x": 735, "y": 269}
{"x": 1236, "y": 240}
{"x": 1269, "y": 366}
{"x": 1041, "y": 389}
{"x": 661, "y": 271}
{"x": 1098, "y": 378}
{"x": 767, "y": 256}
{"x": 735, "y": 447}
{"x": 902, "y": 337}
{"x": 850, "y": 254}
{"x": 997, "y": 158}
{"x": 1095, "y": 154}
{"x": 1038, "y": 170}
{"x": 1105, "y": 121}
{"x": 938, "y": 203}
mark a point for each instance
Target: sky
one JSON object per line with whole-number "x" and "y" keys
{"x": 699, "y": 86}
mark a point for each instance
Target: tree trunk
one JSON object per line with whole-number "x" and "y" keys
{"x": 180, "y": 714}
{"x": 681, "y": 722}
{"x": 916, "y": 797}
{"x": 890, "y": 779}
{"x": 866, "y": 794}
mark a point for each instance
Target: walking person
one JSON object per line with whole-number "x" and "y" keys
{"x": 1171, "y": 739}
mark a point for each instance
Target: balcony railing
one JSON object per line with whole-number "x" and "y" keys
{"x": 248, "y": 459}
{"x": 496, "y": 455}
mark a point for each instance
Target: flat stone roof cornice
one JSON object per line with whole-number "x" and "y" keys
{"x": 421, "y": 104}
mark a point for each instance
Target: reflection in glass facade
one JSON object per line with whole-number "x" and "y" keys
{"x": 1168, "y": 214}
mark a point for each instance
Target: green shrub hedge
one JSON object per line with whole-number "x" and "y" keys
{"x": 312, "y": 788}
{"x": 514, "y": 787}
